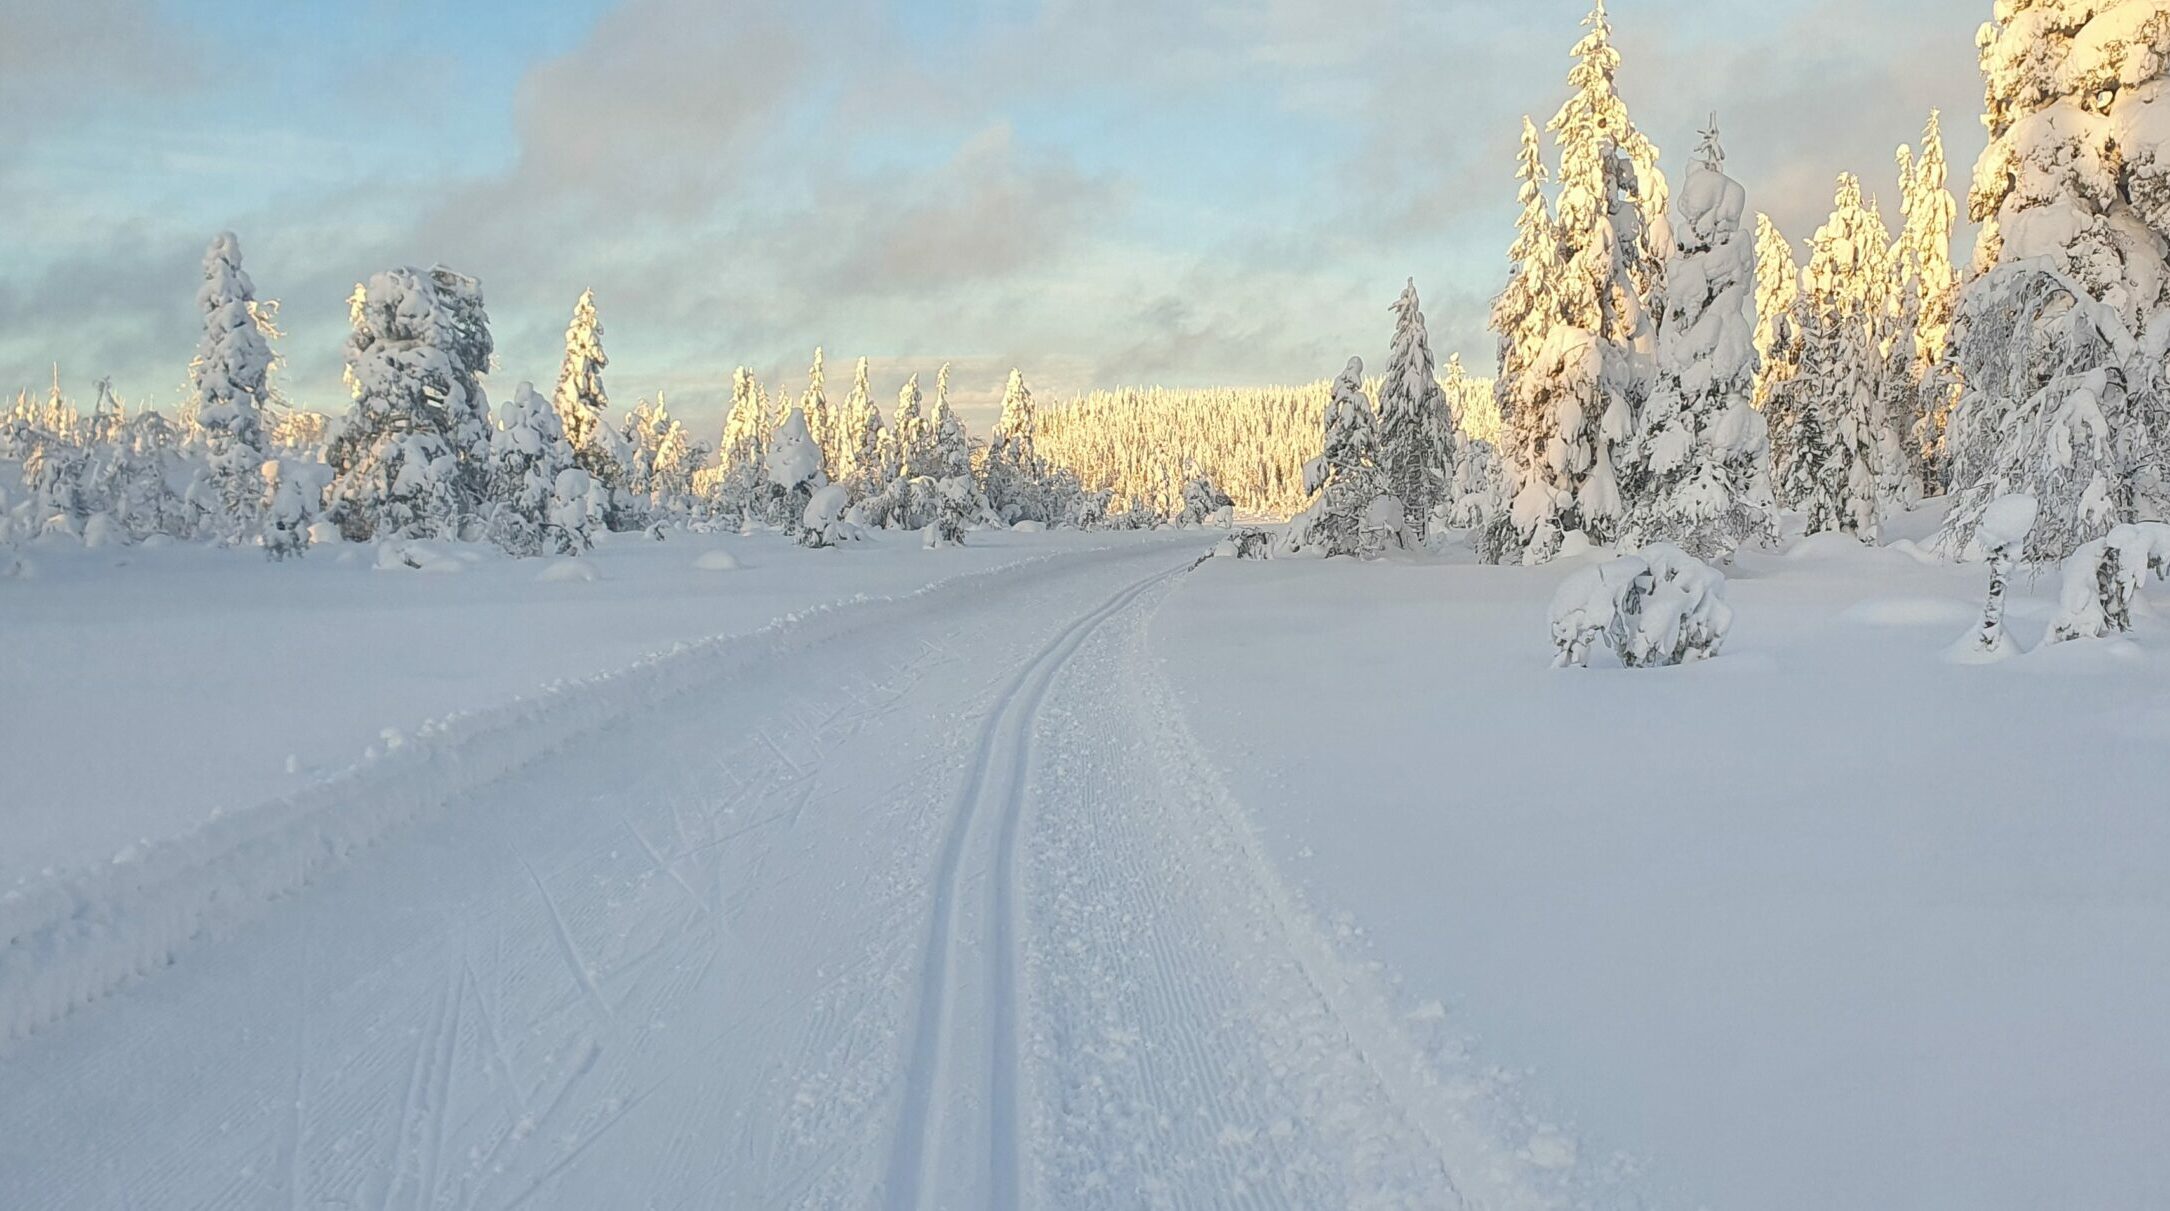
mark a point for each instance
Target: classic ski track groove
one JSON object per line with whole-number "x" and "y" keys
{"x": 1009, "y": 725}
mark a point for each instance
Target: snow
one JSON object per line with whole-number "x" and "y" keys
{"x": 314, "y": 657}
{"x": 1069, "y": 870}
{"x": 1825, "y": 922}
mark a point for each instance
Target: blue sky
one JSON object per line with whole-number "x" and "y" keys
{"x": 1099, "y": 191}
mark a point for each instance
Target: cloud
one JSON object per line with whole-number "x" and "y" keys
{"x": 1097, "y": 190}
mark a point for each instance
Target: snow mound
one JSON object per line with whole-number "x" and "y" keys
{"x": 716, "y": 561}
{"x": 568, "y": 570}
{"x": 1028, "y": 526}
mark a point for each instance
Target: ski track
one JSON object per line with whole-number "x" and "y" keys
{"x": 943, "y": 911}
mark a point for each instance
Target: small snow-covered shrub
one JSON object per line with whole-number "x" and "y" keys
{"x": 953, "y": 513}
{"x": 1662, "y": 607}
{"x": 1249, "y": 544}
{"x": 2102, "y": 578}
{"x": 823, "y": 524}
{"x": 2001, "y": 535}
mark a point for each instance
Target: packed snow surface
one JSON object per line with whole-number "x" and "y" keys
{"x": 1072, "y": 871}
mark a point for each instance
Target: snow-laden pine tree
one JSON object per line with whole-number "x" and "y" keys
{"x": 1778, "y": 290}
{"x": 1571, "y": 417}
{"x": 404, "y": 461}
{"x": 2060, "y": 337}
{"x": 1416, "y": 436}
{"x": 951, "y": 445}
{"x": 1346, "y": 475}
{"x": 1521, "y": 315}
{"x": 820, "y": 415}
{"x": 743, "y": 478}
{"x": 231, "y": 381}
{"x": 914, "y": 439}
{"x": 1595, "y": 112}
{"x": 1827, "y": 441}
{"x": 861, "y": 438}
{"x": 2077, "y": 170}
{"x": 582, "y": 403}
{"x": 794, "y": 467}
{"x": 531, "y": 451}
{"x": 1010, "y": 474}
{"x": 1702, "y": 474}
{"x": 1929, "y": 289}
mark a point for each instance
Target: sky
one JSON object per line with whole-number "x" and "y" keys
{"x": 1100, "y": 192}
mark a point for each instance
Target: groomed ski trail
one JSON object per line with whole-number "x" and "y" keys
{"x": 932, "y": 905}
{"x": 961, "y": 1072}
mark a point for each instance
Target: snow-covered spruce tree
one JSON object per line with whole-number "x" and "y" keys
{"x": 531, "y": 450}
{"x": 794, "y": 467}
{"x": 2077, "y": 170}
{"x": 1416, "y": 436}
{"x": 1571, "y": 418}
{"x": 951, "y": 446}
{"x": 1778, "y": 292}
{"x": 149, "y": 477}
{"x": 1814, "y": 470}
{"x": 743, "y": 481}
{"x": 1929, "y": 286}
{"x": 1345, "y": 476}
{"x": 230, "y": 377}
{"x": 404, "y": 461}
{"x": 1595, "y": 112}
{"x": 2060, "y": 335}
{"x": 1522, "y": 317}
{"x": 820, "y": 416}
{"x": 1010, "y": 474}
{"x": 914, "y": 439}
{"x": 1824, "y": 421}
{"x": 862, "y": 438}
{"x": 1702, "y": 475}
{"x": 581, "y": 402}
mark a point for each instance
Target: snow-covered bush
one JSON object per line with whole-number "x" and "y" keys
{"x": 823, "y": 524}
{"x": 1204, "y": 504}
{"x": 293, "y": 496}
{"x": 1661, "y": 607}
{"x": 954, "y": 510}
{"x": 2001, "y": 535}
{"x": 2102, "y": 578}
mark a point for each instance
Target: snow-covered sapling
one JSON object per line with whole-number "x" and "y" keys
{"x": 2102, "y": 578}
{"x": 2001, "y": 536}
{"x": 823, "y": 524}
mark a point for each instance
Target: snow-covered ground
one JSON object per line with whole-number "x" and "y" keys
{"x": 1830, "y": 921}
{"x": 1054, "y": 871}
{"x": 146, "y": 689}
